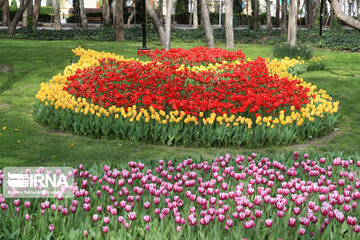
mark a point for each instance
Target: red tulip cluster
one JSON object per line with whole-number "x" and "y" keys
{"x": 245, "y": 87}
{"x": 194, "y": 56}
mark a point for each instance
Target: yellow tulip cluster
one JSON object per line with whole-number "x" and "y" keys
{"x": 52, "y": 93}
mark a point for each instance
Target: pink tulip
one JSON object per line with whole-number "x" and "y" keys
{"x": 268, "y": 222}
{"x": 95, "y": 217}
{"x": 291, "y": 222}
{"x": 17, "y": 203}
{"x": 51, "y": 227}
{"x": 113, "y": 211}
{"x": 147, "y": 205}
{"x": 86, "y": 207}
{"x": 106, "y": 220}
{"x": 126, "y": 225}
{"x": 121, "y": 219}
{"x": 301, "y": 231}
{"x": 351, "y": 221}
{"x": 132, "y": 216}
{"x": 258, "y": 213}
{"x": 147, "y": 218}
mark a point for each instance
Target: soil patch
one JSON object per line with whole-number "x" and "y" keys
{"x": 4, "y": 105}
{"x": 5, "y": 68}
{"x": 317, "y": 142}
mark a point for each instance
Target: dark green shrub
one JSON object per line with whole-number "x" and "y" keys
{"x": 29, "y": 21}
{"x": 44, "y": 15}
{"x": 183, "y": 17}
{"x": 46, "y": 10}
{"x": 336, "y": 24}
{"x": 71, "y": 19}
{"x": 348, "y": 40}
{"x": 282, "y": 50}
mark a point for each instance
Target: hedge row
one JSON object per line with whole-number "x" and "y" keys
{"x": 44, "y": 16}
{"x": 344, "y": 39}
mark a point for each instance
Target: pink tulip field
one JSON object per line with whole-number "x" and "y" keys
{"x": 297, "y": 196}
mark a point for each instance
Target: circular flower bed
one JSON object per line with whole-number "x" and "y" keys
{"x": 200, "y": 96}
{"x": 240, "y": 197}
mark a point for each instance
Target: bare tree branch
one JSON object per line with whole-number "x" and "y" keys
{"x": 156, "y": 21}
{"x": 344, "y": 17}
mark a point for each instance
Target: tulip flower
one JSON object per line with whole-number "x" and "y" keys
{"x": 147, "y": 218}
{"x": 268, "y": 222}
{"x": 51, "y": 227}
{"x": 302, "y": 231}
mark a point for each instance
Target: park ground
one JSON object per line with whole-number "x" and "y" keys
{"x": 24, "y": 64}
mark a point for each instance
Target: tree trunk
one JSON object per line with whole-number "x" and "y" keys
{"x": 190, "y": 18}
{"x": 292, "y": 23}
{"x": 308, "y": 12}
{"x": 195, "y": 15}
{"x": 24, "y": 18}
{"x": 119, "y": 20}
{"x": 27, "y": 12}
{"x": 84, "y": 22}
{"x": 110, "y": 5}
{"x": 25, "y": 15}
{"x": 2, "y": 3}
{"x": 229, "y": 29}
{"x": 173, "y": 14}
{"x": 106, "y": 11}
{"x": 30, "y": 9}
{"x": 342, "y": 16}
{"x": 268, "y": 15}
{"x": 6, "y": 14}
{"x": 349, "y": 6}
{"x": 132, "y": 13}
{"x": 206, "y": 21}
{"x": 358, "y": 10}
{"x": 56, "y": 10}
{"x": 36, "y": 12}
{"x": 20, "y": 11}
{"x": 113, "y": 12}
{"x": 316, "y": 11}
{"x": 331, "y": 17}
{"x": 156, "y": 21}
{"x": 283, "y": 16}
{"x": 277, "y": 15}
{"x": 169, "y": 8}
{"x": 159, "y": 11}
{"x": 311, "y": 13}
{"x": 256, "y": 13}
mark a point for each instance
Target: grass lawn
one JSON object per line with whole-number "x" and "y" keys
{"x": 26, "y": 143}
